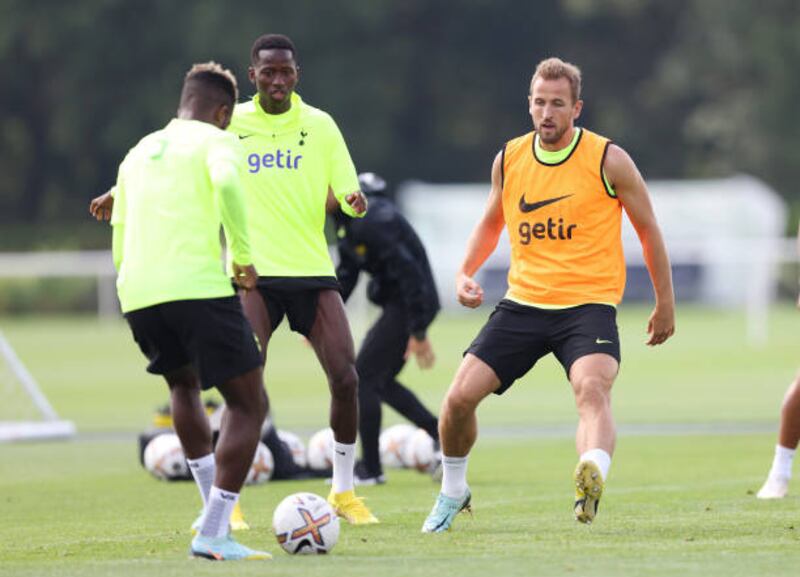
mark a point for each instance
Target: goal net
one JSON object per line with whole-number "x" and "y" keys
{"x": 25, "y": 413}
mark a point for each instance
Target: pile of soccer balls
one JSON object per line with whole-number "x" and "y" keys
{"x": 401, "y": 446}
{"x": 406, "y": 446}
{"x": 164, "y": 459}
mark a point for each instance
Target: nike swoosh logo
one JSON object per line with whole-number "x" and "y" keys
{"x": 525, "y": 207}
{"x": 600, "y": 341}
{"x": 340, "y": 453}
{"x": 243, "y": 136}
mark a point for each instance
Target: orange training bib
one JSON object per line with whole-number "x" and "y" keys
{"x": 564, "y": 226}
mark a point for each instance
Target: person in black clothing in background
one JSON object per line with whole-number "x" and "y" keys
{"x": 384, "y": 244}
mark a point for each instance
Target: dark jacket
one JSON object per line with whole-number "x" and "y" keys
{"x": 384, "y": 245}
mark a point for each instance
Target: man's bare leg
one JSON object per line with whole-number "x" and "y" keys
{"x": 458, "y": 431}
{"x": 245, "y": 408}
{"x": 192, "y": 427}
{"x": 777, "y": 484}
{"x": 592, "y": 377}
{"x": 333, "y": 343}
{"x": 458, "y": 425}
{"x": 255, "y": 309}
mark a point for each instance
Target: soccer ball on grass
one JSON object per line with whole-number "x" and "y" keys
{"x": 320, "y": 450}
{"x": 296, "y": 446}
{"x": 305, "y": 524}
{"x": 164, "y": 458}
{"x": 392, "y": 444}
{"x": 262, "y": 467}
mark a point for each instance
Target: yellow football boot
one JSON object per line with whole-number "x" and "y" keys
{"x": 351, "y": 508}
{"x": 237, "y": 519}
{"x": 588, "y": 490}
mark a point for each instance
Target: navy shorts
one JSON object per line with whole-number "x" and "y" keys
{"x": 516, "y": 336}
{"x": 211, "y": 335}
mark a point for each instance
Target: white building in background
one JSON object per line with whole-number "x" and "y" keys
{"x": 725, "y": 238}
{"x": 731, "y": 230}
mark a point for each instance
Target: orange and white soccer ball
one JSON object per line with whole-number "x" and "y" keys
{"x": 392, "y": 444}
{"x": 420, "y": 452}
{"x": 296, "y": 447}
{"x": 164, "y": 458}
{"x": 320, "y": 450}
{"x": 262, "y": 467}
{"x": 305, "y": 524}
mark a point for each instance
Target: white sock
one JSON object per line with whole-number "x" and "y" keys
{"x": 454, "y": 476}
{"x": 218, "y": 512}
{"x": 344, "y": 459}
{"x": 600, "y": 458}
{"x": 203, "y": 470}
{"x": 782, "y": 463}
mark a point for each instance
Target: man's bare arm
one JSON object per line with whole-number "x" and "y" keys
{"x": 482, "y": 241}
{"x": 632, "y": 193}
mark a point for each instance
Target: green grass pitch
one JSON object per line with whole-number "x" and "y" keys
{"x": 676, "y": 504}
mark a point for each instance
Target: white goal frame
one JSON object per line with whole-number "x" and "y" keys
{"x": 50, "y": 426}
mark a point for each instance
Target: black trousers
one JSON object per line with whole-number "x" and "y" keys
{"x": 378, "y": 363}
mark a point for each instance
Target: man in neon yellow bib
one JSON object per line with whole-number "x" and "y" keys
{"x": 297, "y": 165}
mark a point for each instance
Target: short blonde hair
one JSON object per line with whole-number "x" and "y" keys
{"x": 555, "y": 68}
{"x": 215, "y": 74}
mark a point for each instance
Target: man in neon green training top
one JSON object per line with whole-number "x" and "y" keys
{"x": 297, "y": 163}
{"x": 174, "y": 189}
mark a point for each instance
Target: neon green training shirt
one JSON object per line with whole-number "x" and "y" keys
{"x": 173, "y": 190}
{"x": 291, "y": 160}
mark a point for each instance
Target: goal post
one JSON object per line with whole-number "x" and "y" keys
{"x": 27, "y": 415}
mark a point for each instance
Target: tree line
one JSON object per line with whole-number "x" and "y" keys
{"x": 421, "y": 90}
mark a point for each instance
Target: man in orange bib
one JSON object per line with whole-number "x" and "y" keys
{"x": 560, "y": 191}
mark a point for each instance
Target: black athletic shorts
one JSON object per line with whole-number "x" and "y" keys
{"x": 212, "y": 335}
{"x": 516, "y": 336}
{"x": 296, "y": 298}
